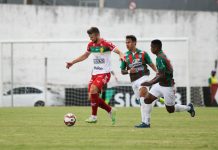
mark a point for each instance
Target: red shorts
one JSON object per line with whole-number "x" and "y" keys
{"x": 99, "y": 80}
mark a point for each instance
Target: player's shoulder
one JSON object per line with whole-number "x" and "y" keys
{"x": 127, "y": 53}
{"x": 161, "y": 58}
{"x": 141, "y": 51}
{"x": 162, "y": 55}
{"x": 103, "y": 41}
{"x": 90, "y": 43}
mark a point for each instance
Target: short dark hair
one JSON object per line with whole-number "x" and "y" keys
{"x": 157, "y": 43}
{"x": 93, "y": 30}
{"x": 132, "y": 37}
{"x": 213, "y": 72}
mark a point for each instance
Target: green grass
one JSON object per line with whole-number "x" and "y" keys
{"x": 43, "y": 129}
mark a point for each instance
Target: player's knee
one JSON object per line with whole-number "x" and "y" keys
{"x": 170, "y": 109}
{"x": 147, "y": 100}
{"x": 143, "y": 91}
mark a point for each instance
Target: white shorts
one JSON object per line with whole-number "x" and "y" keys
{"x": 167, "y": 92}
{"x": 136, "y": 85}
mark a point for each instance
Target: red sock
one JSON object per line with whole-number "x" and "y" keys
{"x": 94, "y": 103}
{"x": 103, "y": 105}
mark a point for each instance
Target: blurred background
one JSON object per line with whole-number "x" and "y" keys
{"x": 37, "y": 37}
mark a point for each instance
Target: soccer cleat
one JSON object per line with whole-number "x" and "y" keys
{"x": 192, "y": 110}
{"x": 91, "y": 120}
{"x": 142, "y": 125}
{"x": 113, "y": 116}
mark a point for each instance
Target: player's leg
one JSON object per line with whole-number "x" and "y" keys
{"x": 137, "y": 96}
{"x": 169, "y": 96}
{"x": 153, "y": 94}
{"x": 103, "y": 92}
{"x": 140, "y": 93}
{"x": 145, "y": 109}
{"x": 147, "y": 98}
{"x": 92, "y": 90}
{"x": 100, "y": 81}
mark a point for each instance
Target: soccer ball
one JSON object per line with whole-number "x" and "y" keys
{"x": 69, "y": 119}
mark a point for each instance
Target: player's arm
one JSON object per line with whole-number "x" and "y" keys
{"x": 131, "y": 70}
{"x": 149, "y": 62}
{"x": 209, "y": 81}
{"x": 156, "y": 79}
{"x": 153, "y": 67}
{"x": 124, "y": 72}
{"x": 123, "y": 68}
{"x": 116, "y": 50}
{"x": 113, "y": 48}
{"x": 160, "y": 74}
{"x": 78, "y": 59}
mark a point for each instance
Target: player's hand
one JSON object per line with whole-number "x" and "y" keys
{"x": 133, "y": 70}
{"x": 122, "y": 58}
{"x": 69, "y": 64}
{"x": 146, "y": 84}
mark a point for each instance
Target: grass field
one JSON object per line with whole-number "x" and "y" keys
{"x": 43, "y": 128}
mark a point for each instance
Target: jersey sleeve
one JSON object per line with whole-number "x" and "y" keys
{"x": 110, "y": 45}
{"x": 123, "y": 65}
{"x": 88, "y": 47}
{"x": 147, "y": 58}
{"x": 161, "y": 64}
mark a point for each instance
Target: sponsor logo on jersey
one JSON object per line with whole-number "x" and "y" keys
{"x": 135, "y": 63}
{"x": 99, "y": 61}
{"x": 98, "y": 68}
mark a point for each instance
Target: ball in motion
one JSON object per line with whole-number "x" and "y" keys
{"x": 69, "y": 119}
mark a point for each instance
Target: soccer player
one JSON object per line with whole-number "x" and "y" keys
{"x": 101, "y": 50}
{"x": 163, "y": 82}
{"x": 135, "y": 65}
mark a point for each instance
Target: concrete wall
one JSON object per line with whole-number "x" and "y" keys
{"x": 41, "y": 22}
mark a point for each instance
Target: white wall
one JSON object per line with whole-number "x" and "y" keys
{"x": 40, "y": 22}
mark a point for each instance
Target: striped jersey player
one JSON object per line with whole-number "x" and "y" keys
{"x": 136, "y": 65}
{"x": 101, "y": 50}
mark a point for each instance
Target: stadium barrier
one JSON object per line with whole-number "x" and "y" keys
{"x": 123, "y": 96}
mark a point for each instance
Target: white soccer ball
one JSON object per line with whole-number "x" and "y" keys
{"x": 69, "y": 119}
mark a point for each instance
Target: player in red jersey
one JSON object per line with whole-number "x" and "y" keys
{"x": 101, "y": 49}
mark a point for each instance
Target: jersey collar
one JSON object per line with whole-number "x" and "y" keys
{"x": 160, "y": 52}
{"x": 137, "y": 51}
